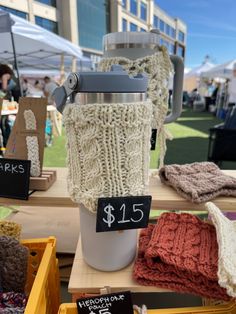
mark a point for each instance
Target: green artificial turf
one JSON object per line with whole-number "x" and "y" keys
{"x": 189, "y": 144}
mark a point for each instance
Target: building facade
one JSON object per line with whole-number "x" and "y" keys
{"x": 84, "y": 22}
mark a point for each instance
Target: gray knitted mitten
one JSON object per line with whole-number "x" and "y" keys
{"x": 13, "y": 265}
{"x": 198, "y": 182}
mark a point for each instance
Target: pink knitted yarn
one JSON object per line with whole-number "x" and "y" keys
{"x": 180, "y": 253}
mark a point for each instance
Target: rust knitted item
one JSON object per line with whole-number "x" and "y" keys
{"x": 13, "y": 265}
{"x": 180, "y": 253}
{"x": 198, "y": 182}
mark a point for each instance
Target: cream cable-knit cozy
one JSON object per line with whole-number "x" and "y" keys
{"x": 107, "y": 150}
{"x": 226, "y": 237}
{"x": 158, "y": 68}
{"x": 32, "y": 143}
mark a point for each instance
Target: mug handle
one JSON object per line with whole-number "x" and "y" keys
{"x": 177, "y": 89}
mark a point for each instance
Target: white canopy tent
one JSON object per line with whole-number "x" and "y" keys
{"x": 196, "y": 72}
{"x": 220, "y": 71}
{"x": 192, "y": 78}
{"x": 35, "y": 46}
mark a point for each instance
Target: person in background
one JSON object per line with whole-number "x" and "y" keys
{"x": 6, "y": 75}
{"x": 232, "y": 89}
{"x": 37, "y": 90}
{"x": 49, "y": 88}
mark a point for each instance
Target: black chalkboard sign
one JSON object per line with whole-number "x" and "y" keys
{"x": 121, "y": 213}
{"x": 14, "y": 178}
{"x": 113, "y": 303}
{"x": 153, "y": 139}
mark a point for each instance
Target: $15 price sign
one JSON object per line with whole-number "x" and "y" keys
{"x": 121, "y": 213}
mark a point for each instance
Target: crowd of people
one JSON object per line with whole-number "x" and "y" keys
{"x": 10, "y": 90}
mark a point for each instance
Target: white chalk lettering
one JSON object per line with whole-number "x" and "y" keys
{"x": 7, "y": 166}
{"x": 122, "y": 221}
{"x": 137, "y": 210}
{"x": 21, "y": 169}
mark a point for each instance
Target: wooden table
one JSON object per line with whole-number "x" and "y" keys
{"x": 163, "y": 197}
{"x": 87, "y": 280}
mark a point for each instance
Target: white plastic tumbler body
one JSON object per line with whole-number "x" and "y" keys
{"x": 106, "y": 251}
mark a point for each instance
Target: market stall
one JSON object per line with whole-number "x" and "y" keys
{"x": 109, "y": 118}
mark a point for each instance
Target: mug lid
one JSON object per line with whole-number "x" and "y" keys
{"x": 115, "y": 81}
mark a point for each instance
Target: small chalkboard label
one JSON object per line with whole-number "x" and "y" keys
{"x": 153, "y": 139}
{"x": 14, "y": 178}
{"x": 113, "y": 303}
{"x": 121, "y": 213}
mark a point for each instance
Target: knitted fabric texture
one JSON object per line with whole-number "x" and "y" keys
{"x": 10, "y": 228}
{"x": 226, "y": 235}
{"x": 13, "y": 265}
{"x": 158, "y": 68}
{"x": 198, "y": 182}
{"x": 180, "y": 253}
{"x": 32, "y": 143}
{"x": 12, "y": 303}
{"x": 107, "y": 150}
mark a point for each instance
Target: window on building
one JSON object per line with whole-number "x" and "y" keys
{"x": 133, "y": 27}
{"x": 93, "y": 22}
{"x": 47, "y": 24}
{"x": 180, "y": 51}
{"x": 143, "y": 11}
{"x": 155, "y": 21}
{"x": 162, "y": 25}
{"x": 166, "y": 44}
{"x": 124, "y": 4}
{"x": 15, "y": 12}
{"x": 142, "y": 29}
{"x": 181, "y": 36}
{"x": 48, "y": 2}
{"x": 133, "y": 6}
{"x": 167, "y": 30}
{"x": 172, "y": 32}
{"x": 171, "y": 48}
{"x": 124, "y": 25}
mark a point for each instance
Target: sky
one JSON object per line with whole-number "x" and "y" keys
{"x": 211, "y": 28}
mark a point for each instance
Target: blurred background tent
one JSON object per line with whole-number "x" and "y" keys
{"x": 224, "y": 70}
{"x": 192, "y": 78}
{"x": 36, "y": 47}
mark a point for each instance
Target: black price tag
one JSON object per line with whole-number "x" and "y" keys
{"x": 121, "y": 213}
{"x": 153, "y": 139}
{"x": 114, "y": 303}
{"x": 14, "y": 178}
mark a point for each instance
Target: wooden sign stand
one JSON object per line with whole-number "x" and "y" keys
{"x": 17, "y": 142}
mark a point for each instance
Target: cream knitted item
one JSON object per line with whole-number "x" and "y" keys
{"x": 10, "y": 229}
{"x": 32, "y": 143}
{"x": 226, "y": 235}
{"x": 108, "y": 150}
{"x": 158, "y": 68}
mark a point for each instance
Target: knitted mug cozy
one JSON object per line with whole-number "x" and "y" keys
{"x": 107, "y": 150}
{"x": 180, "y": 253}
{"x": 13, "y": 265}
{"x": 10, "y": 228}
{"x": 158, "y": 68}
{"x": 198, "y": 182}
{"x": 226, "y": 236}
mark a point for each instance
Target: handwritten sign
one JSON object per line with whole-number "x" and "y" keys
{"x": 114, "y": 303}
{"x": 121, "y": 213}
{"x": 153, "y": 139}
{"x": 14, "y": 178}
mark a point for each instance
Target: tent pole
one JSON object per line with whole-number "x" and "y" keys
{"x": 15, "y": 62}
{"x": 73, "y": 65}
{"x": 62, "y": 69}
